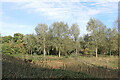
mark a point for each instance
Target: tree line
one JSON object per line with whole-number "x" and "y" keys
{"x": 61, "y": 39}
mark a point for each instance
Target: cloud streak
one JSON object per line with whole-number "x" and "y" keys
{"x": 70, "y": 11}
{"x": 10, "y": 28}
{"x": 100, "y": 1}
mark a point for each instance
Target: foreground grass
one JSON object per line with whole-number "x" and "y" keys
{"x": 110, "y": 62}
{"x": 17, "y": 68}
{"x": 101, "y": 67}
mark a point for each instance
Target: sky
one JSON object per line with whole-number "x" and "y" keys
{"x": 22, "y": 16}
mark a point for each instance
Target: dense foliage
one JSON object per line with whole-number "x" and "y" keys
{"x": 60, "y": 39}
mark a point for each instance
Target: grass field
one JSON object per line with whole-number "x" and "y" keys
{"x": 64, "y": 67}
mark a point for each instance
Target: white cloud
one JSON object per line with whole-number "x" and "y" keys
{"x": 6, "y": 25}
{"x": 59, "y": 8}
{"x": 0, "y": 16}
{"x": 65, "y": 10}
{"x": 11, "y": 28}
{"x": 93, "y": 12}
{"x": 101, "y": 1}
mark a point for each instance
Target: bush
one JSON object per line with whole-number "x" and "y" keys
{"x": 13, "y": 48}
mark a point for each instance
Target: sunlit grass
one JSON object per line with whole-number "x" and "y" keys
{"x": 100, "y": 67}
{"x": 17, "y": 68}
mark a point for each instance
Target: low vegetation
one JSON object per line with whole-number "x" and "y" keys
{"x": 17, "y": 68}
{"x": 72, "y": 67}
{"x": 58, "y": 51}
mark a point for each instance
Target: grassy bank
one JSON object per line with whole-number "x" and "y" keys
{"x": 49, "y": 66}
{"x": 16, "y": 68}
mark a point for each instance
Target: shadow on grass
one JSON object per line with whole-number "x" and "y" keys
{"x": 97, "y": 71}
{"x": 16, "y": 68}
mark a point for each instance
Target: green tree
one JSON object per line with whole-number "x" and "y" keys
{"x": 13, "y": 48}
{"x": 59, "y": 31}
{"x": 18, "y": 38}
{"x": 6, "y": 39}
{"x": 29, "y": 43}
{"x": 87, "y": 45}
{"x": 0, "y": 44}
{"x": 50, "y": 42}
{"x": 97, "y": 29}
{"x": 112, "y": 40}
{"x": 41, "y": 30}
{"x": 68, "y": 45}
{"x": 75, "y": 32}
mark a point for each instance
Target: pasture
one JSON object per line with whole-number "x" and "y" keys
{"x": 64, "y": 67}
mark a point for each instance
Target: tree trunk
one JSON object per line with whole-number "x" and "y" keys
{"x": 110, "y": 52}
{"x": 31, "y": 52}
{"x": 59, "y": 53}
{"x": 96, "y": 51}
{"x": 76, "y": 48}
{"x": 44, "y": 48}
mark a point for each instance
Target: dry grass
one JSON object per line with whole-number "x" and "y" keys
{"x": 18, "y": 68}
{"x": 102, "y": 67}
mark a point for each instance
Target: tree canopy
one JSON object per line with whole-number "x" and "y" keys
{"x": 61, "y": 39}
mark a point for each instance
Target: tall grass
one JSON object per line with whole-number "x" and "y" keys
{"x": 16, "y": 68}
{"x": 89, "y": 65}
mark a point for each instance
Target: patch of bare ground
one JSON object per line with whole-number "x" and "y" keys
{"x": 55, "y": 64}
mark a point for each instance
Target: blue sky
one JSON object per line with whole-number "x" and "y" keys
{"x": 22, "y": 16}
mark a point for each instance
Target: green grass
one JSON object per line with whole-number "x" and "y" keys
{"x": 14, "y": 67}
{"x": 110, "y": 62}
{"x": 101, "y": 67}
